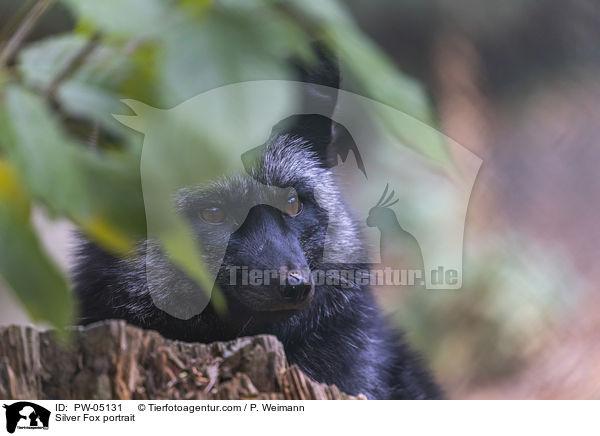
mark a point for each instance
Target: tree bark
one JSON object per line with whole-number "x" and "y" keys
{"x": 113, "y": 360}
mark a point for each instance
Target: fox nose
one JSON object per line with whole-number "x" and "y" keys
{"x": 297, "y": 288}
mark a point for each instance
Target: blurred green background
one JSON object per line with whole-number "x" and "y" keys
{"x": 515, "y": 82}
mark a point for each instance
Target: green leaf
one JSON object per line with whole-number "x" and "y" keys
{"x": 23, "y": 264}
{"x": 40, "y": 62}
{"x": 99, "y": 192}
{"x": 125, "y": 18}
{"x": 90, "y": 90}
{"x": 229, "y": 47}
{"x": 44, "y": 155}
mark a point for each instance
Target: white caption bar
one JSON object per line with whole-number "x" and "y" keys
{"x": 296, "y": 417}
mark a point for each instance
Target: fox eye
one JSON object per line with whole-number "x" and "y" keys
{"x": 213, "y": 215}
{"x": 292, "y": 206}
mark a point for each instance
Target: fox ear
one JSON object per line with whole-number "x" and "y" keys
{"x": 322, "y": 79}
{"x": 313, "y": 123}
{"x": 318, "y": 100}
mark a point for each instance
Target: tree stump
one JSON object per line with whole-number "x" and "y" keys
{"x": 112, "y": 360}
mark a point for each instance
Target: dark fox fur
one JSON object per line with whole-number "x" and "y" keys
{"x": 336, "y": 334}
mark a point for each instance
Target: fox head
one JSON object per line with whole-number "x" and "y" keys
{"x": 269, "y": 217}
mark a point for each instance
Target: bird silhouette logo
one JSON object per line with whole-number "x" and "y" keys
{"x": 398, "y": 248}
